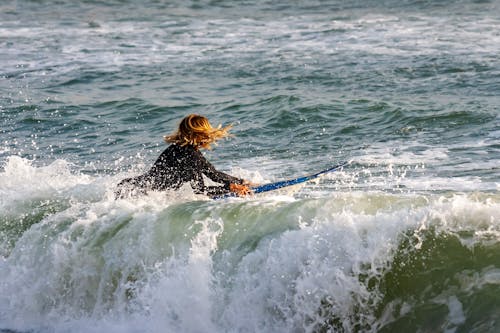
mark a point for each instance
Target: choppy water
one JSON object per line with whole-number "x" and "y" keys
{"x": 404, "y": 239}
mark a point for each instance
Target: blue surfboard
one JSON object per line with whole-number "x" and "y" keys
{"x": 285, "y": 183}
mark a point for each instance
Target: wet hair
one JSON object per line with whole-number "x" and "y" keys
{"x": 197, "y": 131}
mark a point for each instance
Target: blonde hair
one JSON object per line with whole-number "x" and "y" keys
{"x": 197, "y": 131}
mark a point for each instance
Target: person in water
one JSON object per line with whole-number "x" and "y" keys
{"x": 182, "y": 162}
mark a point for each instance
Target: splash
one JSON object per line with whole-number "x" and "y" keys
{"x": 347, "y": 261}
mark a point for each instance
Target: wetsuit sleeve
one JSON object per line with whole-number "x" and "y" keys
{"x": 215, "y": 190}
{"x": 203, "y": 167}
{"x": 219, "y": 177}
{"x": 199, "y": 187}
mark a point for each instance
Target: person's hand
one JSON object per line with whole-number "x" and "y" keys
{"x": 241, "y": 190}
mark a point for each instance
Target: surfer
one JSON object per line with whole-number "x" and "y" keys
{"x": 182, "y": 162}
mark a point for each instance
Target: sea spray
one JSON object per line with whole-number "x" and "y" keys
{"x": 348, "y": 261}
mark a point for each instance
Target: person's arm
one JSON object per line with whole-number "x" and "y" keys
{"x": 199, "y": 187}
{"x": 209, "y": 170}
{"x": 230, "y": 183}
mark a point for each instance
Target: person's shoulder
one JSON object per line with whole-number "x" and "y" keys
{"x": 186, "y": 150}
{"x": 168, "y": 150}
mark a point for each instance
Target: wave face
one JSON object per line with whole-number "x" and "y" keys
{"x": 406, "y": 238}
{"x": 75, "y": 259}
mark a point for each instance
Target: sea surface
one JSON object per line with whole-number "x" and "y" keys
{"x": 405, "y": 238}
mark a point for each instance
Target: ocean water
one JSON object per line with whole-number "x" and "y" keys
{"x": 406, "y": 238}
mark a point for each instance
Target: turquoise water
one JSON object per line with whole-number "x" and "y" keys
{"x": 404, "y": 238}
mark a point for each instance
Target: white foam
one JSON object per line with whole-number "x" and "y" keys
{"x": 456, "y": 315}
{"x": 161, "y": 262}
{"x": 292, "y": 39}
{"x": 21, "y": 181}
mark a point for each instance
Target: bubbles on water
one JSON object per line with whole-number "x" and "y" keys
{"x": 147, "y": 262}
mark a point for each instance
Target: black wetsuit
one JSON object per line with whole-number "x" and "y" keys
{"x": 176, "y": 166}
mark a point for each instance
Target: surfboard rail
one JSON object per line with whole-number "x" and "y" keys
{"x": 285, "y": 183}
